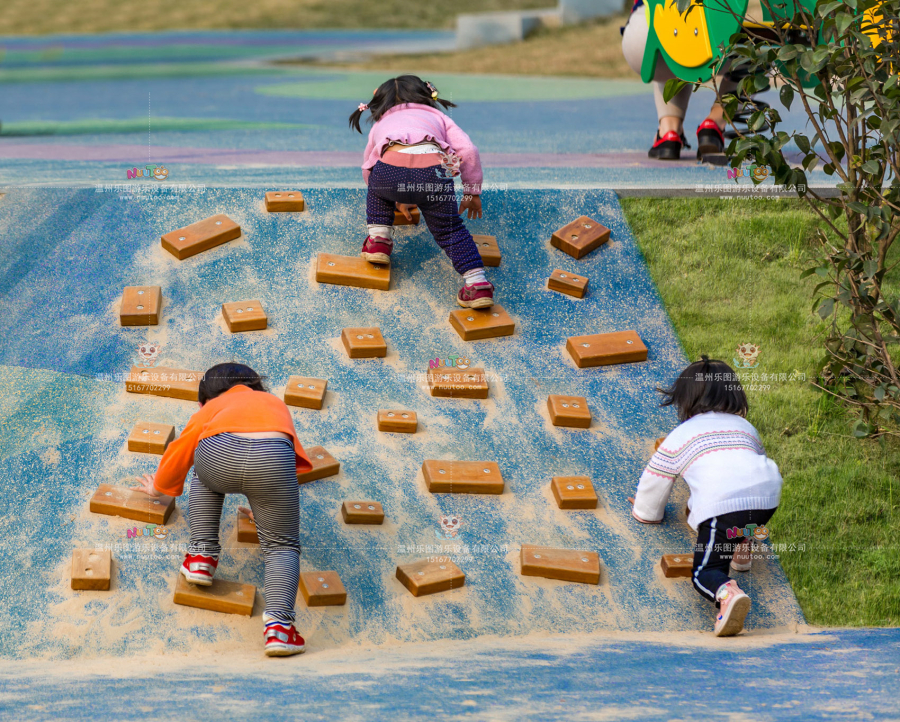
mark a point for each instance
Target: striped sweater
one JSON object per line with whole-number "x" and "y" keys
{"x": 722, "y": 460}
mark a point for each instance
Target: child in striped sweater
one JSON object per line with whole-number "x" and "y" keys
{"x": 734, "y": 486}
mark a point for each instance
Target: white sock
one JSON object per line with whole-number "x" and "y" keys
{"x": 381, "y": 232}
{"x": 476, "y": 275}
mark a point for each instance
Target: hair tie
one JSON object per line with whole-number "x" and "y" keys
{"x": 434, "y": 93}
{"x": 363, "y": 107}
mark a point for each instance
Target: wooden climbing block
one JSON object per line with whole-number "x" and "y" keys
{"x": 364, "y": 342}
{"x": 568, "y": 565}
{"x": 603, "y": 349}
{"x": 352, "y": 271}
{"x": 574, "y": 492}
{"x": 221, "y": 596}
{"x": 246, "y": 529}
{"x": 91, "y": 569}
{"x": 322, "y": 589}
{"x": 476, "y": 324}
{"x": 164, "y": 381}
{"x": 568, "y": 283}
{"x": 245, "y": 316}
{"x": 129, "y": 504}
{"x": 284, "y": 201}
{"x": 677, "y": 565}
{"x": 323, "y": 465}
{"x": 462, "y": 477}
{"x": 400, "y": 219}
{"x": 140, "y": 306}
{"x": 200, "y": 236}
{"x": 362, "y": 512}
{"x": 488, "y": 249}
{"x": 580, "y": 237}
{"x": 426, "y": 577}
{"x": 398, "y": 421}
{"x": 569, "y": 411}
{"x": 658, "y": 443}
{"x": 150, "y": 438}
{"x": 456, "y": 384}
{"x": 305, "y": 392}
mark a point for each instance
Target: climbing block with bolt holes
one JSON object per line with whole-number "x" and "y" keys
{"x": 568, "y": 565}
{"x": 130, "y": 504}
{"x": 164, "y": 381}
{"x": 476, "y": 324}
{"x": 140, "y": 306}
{"x": 245, "y": 316}
{"x": 305, "y": 392}
{"x": 284, "y": 201}
{"x": 200, "y": 236}
{"x": 322, "y": 589}
{"x": 362, "y": 512}
{"x": 400, "y": 219}
{"x": 569, "y": 411}
{"x": 489, "y": 250}
{"x": 462, "y": 477}
{"x": 222, "y": 596}
{"x": 150, "y": 438}
{"x": 323, "y": 465}
{"x": 352, "y": 271}
{"x": 603, "y": 349}
{"x": 580, "y": 237}
{"x": 398, "y": 421}
{"x": 568, "y": 283}
{"x": 364, "y": 342}
{"x": 677, "y": 565}
{"x": 91, "y": 569}
{"x": 427, "y": 577}
{"x": 246, "y": 529}
{"x": 470, "y": 383}
{"x": 574, "y": 492}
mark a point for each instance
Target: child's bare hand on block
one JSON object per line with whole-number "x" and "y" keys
{"x": 472, "y": 204}
{"x": 145, "y": 484}
{"x": 404, "y": 209}
{"x": 248, "y": 512}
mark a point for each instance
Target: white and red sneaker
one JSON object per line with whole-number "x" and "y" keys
{"x": 199, "y": 569}
{"x": 377, "y": 250}
{"x": 478, "y": 295}
{"x": 282, "y": 640}
{"x": 733, "y": 608}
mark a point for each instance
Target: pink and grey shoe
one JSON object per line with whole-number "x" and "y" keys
{"x": 478, "y": 295}
{"x": 377, "y": 250}
{"x": 742, "y": 559}
{"x": 199, "y": 569}
{"x": 733, "y": 608}
{"x": 282, "y": 640}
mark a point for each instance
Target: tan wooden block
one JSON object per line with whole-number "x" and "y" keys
{"x": 398, "y": 421}
{"x": 574, "y": 492}
{"x": 129, "y": 504}
{"x": 658, "y": 443}
{"x": 246, "y": 529}
{"x": 164, "y": 381}
{"x": 149, "y": 438}
{"x": 580, "y": 237}
{"x": 352, "y": 271}
{"x": 284, "y": 202}
{"x": 364, "y": 342}
{"x": 222, "y": 596}
{"x": 200, "y": 236}
{"x": 91, "y": 569}
{"x": 400, "y": 219}
{"x": 488, "y": 249}
{"x": 568, "y": 283}
{"x": 603, "y": 349}
{"x": 362, "y": 512}
{"x": 245, "y": 316}
{"x": 323, "y": 465}
{"x": 677, "y": 565}
{"x": 462, "y": 477}
{"x": 569, "y": 411}
{"x": 455, "y": 384}
{"x": 322, "y": 589}
{"x": 425, "y": 577}
{"x": 305, "y": 392}
{"x": 568, "y": 565}
{"x": 140, "y": 306}
{"x": 476, "y": 324}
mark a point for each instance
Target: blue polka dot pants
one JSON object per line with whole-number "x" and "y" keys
{"x": 390, "y": 184}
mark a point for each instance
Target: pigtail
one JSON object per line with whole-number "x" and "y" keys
{"x": 355, "y": 117}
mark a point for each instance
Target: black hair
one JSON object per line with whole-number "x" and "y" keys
{"x": 706, "y": 385}
{"x": 221, "y": 377}
{"x": 402, "y": 89}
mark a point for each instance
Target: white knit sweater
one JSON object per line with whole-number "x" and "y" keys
{"x": 721, "y": 458}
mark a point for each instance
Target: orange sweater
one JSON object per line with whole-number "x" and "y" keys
{"x": 238, "y": 410}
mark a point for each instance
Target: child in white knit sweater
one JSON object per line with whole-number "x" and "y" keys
{"x": 735, "y": 487}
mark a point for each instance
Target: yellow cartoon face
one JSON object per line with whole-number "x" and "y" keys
{"x": 160, "y": 532}
{"x": 161, "y": 172}
{"x": 684, "y": 38}
{"x": 760, "y": 173}
{"x": 760, "y": 533}
{"x": 463, "y": 363}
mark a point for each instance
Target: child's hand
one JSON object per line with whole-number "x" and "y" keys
{"x": 147, "y": 486}
{"x": 642, "y": 521}
{"x": 472, "y": 204}
{"x": 248, "y": 512}
{"x": 404, "y": 209}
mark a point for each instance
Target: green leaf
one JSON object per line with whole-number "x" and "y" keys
{"x": 826, "y": 308}
{"x": 871, "y": 166}
{"x": 861, "y": 429}
{"x": 787, "y": 96}
{"x": 673, "y": 87}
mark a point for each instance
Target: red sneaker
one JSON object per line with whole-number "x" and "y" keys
{"x": 478, "y": 295}
{"x": 377, "y": 250}
{"x": 282, "y": 640}
{"x": 199, "y": 569}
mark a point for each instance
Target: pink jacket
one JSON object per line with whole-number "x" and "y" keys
{"x": 412, "y": 123}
